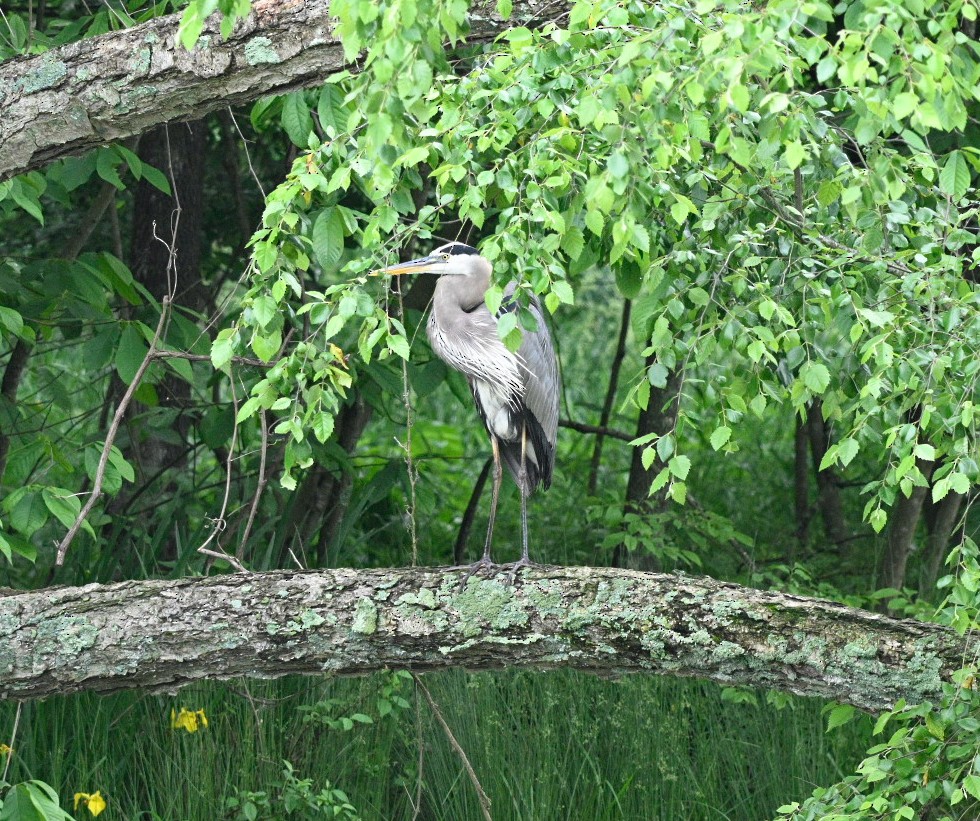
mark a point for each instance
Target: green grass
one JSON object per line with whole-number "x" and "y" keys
{"x": 545, "y": 746}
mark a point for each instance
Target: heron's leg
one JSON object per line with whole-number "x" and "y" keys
{"x": 525, "y": 560}
{"x": 498, "y": 475}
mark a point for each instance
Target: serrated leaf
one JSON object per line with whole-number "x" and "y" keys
{"x": 573, "y": 242}
{"x": 399, "y": 345}
{"x": 954, "y": 178}
{"x": 323, "y": 426}
{"x": 847, "y": 449}
{"x": 680, "y": 466}
{"x": 971, "y": 784}
{"x": 839, "y": 715}
{"x": 794, "y": 153}
{"x": 815, "y": 376}
{"x": 328, "y": 238}
{"x": 330, "y": 109}
{"x": 720, "y": 437}
{"x": 505, "y": 8}
{"x": 563, "y": 291}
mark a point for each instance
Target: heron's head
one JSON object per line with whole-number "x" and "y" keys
{"x": 453, "y": 258}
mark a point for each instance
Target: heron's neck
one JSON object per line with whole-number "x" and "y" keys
{"x": 462, "y": 293}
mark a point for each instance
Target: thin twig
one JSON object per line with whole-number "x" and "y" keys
{"x": 406, "y": 396}
{"x": 220, "y": 523}
{"x": 196, "y": 357}
{"x": 480, "y": 794}
{"x": 113, "y": 432}
{"x": 581, "y": 427}
{"x": 259, "y": 487}
{"x": 13, "y": 740}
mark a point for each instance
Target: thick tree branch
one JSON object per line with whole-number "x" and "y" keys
{"x": 165, "y": 634}
{"x": 103, "y": 89}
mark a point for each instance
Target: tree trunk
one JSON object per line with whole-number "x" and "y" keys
{"x": 659, "y": 416}
{"x": 104, "y": 89}
{"x": 941, "y": 520}
{"x": 902, "y": 525}
{"x": 163, "y": 634}
{"x": 801, "y": 486}
{"x": 831, "y": 508}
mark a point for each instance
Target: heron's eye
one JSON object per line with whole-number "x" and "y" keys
{"x": 446, "y": 257}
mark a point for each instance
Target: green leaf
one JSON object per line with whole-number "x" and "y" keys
{"x": 839, "y": 715}
{"x": 971, "y": 784}
{"x": 738, "y": 96}
{"x": 156, "y": 179}
{"x": 657, "y": 375}
{"x": 323, "y": 426}
{"x": 680, "y": 466}
{"x": 27, "y": 513}
{"x": 720, "y": 437}
{"x": 505, "y": 8}
{"x": 954, "y": 179}
{"x": 330, "y": 109}
{"x": 847, "y": 449}
{"x": 794, "y": 153}
{"x": 11, "y": 320}
{"x": 62, "y": 504}
{"x": 32, "y": 801}
{"x": 563, "y": 291}
{"x": 328, "y": 238}
{"x": 264, "y": 308}
{"x": 222, "y": 349}
{"x": 296, "y": 119}
{"x": 130, "y": 353}
{"x": 106, "y": 162}
{"x": 815, "y": 376}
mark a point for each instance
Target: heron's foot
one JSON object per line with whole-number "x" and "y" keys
{"x": 517, "y": 566}
{"x": 484, "y": 564}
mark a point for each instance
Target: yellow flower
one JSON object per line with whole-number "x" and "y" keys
{"x": 5, "y": 749}
{"x": 94, "y": 802}
{"x": 188, "y": 720}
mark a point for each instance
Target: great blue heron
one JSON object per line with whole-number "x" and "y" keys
{"x": 516, "y": 394}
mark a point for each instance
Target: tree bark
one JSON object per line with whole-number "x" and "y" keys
{"x": 902, "y": 524}
{"x": 104, "y": 89}
{"x": 831, "y": 506}
{"x": 163, "y": 634}
{"x": 941, "y": 519}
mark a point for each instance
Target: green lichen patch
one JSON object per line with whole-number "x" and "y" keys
{"x": 365, "y": 617}
{"x": 487, "y": 603}
{"x": 47, "y": 75}
{"x": 307, "y": 620}
{"x": 260, "y": 51}
{"x": 65, "y": 636}
{"x": 424, "y": 598}
{"x": 545, "y": 596}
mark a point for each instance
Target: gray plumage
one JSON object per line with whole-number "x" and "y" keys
{"x": 516, "y": 394}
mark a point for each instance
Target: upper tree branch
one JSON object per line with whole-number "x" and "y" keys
{"x": 164, "y": 634}
{"x": 118, "y": 85}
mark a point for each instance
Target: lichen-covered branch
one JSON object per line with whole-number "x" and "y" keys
{"x": 164, "y": 634}
{"x": 118, "y": 85}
